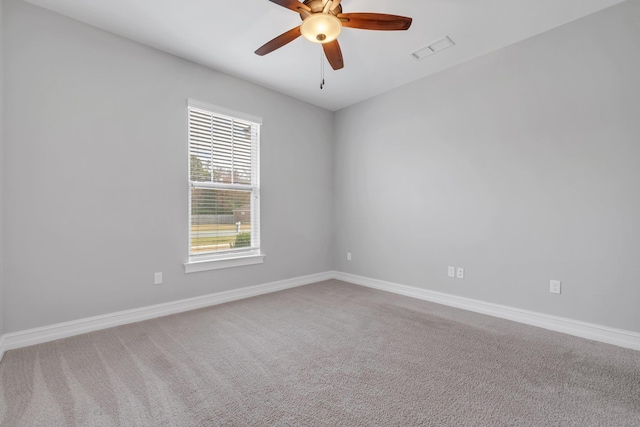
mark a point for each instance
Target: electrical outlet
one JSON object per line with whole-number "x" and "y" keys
{"x": 452, "y": 272}
{"x": 460, "y": 273}
{"x": 555, "y": 286}
{"x": 157, "y": 278}
{"x": 348, "y": 256}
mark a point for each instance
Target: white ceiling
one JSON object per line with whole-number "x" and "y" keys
{"x": 223, "y": 34}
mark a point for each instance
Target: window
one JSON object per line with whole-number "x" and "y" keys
{"x": 224, "y": 188}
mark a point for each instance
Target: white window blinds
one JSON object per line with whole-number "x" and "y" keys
{"x": 224, "y": 205}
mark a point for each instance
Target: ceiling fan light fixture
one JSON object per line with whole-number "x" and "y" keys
{"x": 321, "y": 28}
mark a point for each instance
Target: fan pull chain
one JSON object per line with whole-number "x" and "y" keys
{"x": 321, "y": 68}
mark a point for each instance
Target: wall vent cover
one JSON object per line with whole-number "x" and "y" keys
{"x": 432, "y": 48}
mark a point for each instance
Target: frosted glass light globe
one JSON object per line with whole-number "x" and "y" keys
{"x": 321, "y": 28}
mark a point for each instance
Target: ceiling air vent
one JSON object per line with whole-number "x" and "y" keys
{"x": 432, "y": 48}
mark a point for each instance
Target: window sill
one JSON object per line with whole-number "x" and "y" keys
{"x": 215, "y": 264}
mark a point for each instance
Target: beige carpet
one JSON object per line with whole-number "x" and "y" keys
{"x": 324, "y": 354}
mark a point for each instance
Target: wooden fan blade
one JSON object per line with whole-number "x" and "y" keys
{"x": 375, "y": 21}
{"x": 279, "y": 41}
{"x": 292, "y": 4}
{"x": 334, "y": 54}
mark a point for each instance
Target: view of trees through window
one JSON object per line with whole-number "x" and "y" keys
{"x": 220, "y": 219}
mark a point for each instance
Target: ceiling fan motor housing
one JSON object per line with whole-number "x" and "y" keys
{"x": 316, "y": 6}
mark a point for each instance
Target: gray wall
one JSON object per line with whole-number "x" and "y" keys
{"x": 521, "y": 166}
{"x": 96, "y": 166}
{"x": 1, "y": 173}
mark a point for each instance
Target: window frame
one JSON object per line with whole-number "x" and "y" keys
{"x": 231, "y": 258}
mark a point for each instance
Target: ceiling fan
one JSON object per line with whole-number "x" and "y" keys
{"x": 322, "y": 22}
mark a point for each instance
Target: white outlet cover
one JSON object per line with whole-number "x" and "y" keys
{"x": 157, "y": 278}
{"x": 460, "y": 273}
{"x": 555, "y": 286}
{"x": 348, "y": 256}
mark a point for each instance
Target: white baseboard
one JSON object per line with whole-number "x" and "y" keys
{"x": 43, "y": 334}
{"x": 577, "y": 328}
{"x": 568, "y": 326}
